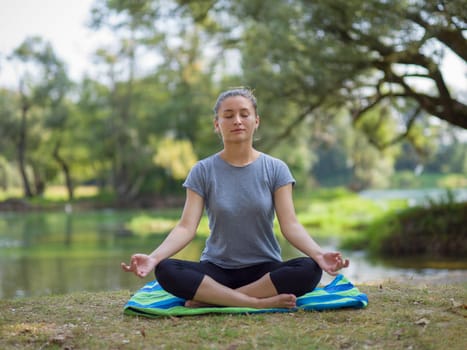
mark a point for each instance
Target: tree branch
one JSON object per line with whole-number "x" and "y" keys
{"x": 401, "y": 136}
{"x": 288, "y": 130}
{"x": 453, "y": 39}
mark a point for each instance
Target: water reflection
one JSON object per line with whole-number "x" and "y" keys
{"x": 57, "y": 253}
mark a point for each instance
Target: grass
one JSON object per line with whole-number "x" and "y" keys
{"x": 399, "y": 316}
{"x": 52, "y": 193}
{"x": 407, "y": 179}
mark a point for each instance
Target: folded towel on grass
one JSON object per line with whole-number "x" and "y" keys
{"x": 153, "y": 301}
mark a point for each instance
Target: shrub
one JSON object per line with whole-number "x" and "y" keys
{"x": 437, "y": 230}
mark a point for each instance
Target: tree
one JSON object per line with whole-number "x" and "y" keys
{"x": 62, "y": 138}
{"x": 8, "y": 136}
{"x": 43, "y": 83}
{"x": 308, "y": 59}
{"x": 168, "y": 99}
{"x": 132, "y": 22}
{"x": 398, "y": 42}
{"x": 354, "y": 53}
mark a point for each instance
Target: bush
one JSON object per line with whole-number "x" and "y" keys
{"x": 438, "y": 230}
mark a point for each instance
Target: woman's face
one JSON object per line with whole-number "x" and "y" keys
{"x": 236, "y": 120}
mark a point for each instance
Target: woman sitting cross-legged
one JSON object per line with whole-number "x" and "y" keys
{"x": 241, "y": 190}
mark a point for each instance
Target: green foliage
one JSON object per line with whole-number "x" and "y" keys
{"x": 371, "y": 50}
{"x": 41, "y": 114}
{"x": 408, "y": 179}
{"x": 9, "y": 126}
{"x": 176, "y": 157}
{"x": 334, "y": 81}
{"x": 453, "y": 181}
{"x": 148, "y": 225}
{"x": 437, "y": 230}
{"x": 162, "y": 222}
{"x": 338, "y": 212}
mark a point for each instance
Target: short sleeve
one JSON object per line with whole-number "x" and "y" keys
{"x": 196, "y": 180}
{"x": 283, "y": 175}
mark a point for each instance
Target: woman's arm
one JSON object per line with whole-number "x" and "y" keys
{"x": 182, "y": 234}
{"x": 297, "y": 235}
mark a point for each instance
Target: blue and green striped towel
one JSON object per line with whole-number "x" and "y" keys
{"x": 153, "y": 301}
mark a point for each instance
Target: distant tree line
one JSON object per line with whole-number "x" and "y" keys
{"x": 351, "y": 90}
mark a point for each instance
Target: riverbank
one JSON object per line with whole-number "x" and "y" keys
{"x": 425, "y": 315}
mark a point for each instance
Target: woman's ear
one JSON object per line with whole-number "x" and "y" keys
{"x": 216, "y": 126}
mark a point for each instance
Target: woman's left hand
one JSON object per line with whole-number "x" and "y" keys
{"x": 332, "y": 262}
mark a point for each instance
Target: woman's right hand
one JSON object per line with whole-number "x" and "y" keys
{"x": 140, "y": 264}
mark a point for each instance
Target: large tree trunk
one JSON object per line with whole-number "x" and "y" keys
{"x": 39, "y": 183}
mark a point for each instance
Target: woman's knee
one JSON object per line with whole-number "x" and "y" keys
{"x": 162, "y": 268}
{"x": 312, "y": 274}
{"x": 312, "y": 267}
{"x": 298, "y": 277}
{"x": 177, "y": 278}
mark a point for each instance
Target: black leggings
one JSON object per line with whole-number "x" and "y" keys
{"x": 182, "y": 278}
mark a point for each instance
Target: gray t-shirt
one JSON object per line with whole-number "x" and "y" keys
{"x": 240, "y": 207}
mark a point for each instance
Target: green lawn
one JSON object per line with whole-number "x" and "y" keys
{"x": 399, "y": 316}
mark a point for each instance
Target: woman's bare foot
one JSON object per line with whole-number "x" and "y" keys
{"x": 287, "y": 301}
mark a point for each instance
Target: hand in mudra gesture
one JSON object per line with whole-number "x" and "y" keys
{"x": 332, "y": 262}
{"x": 140, "y": 264}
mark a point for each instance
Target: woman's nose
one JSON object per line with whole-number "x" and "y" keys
{"x": 237, "y": 119}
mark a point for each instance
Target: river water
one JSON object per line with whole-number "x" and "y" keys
{"x": 59, "y": 253}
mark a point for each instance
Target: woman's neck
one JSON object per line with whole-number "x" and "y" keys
{"x": 238, "y": 155}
